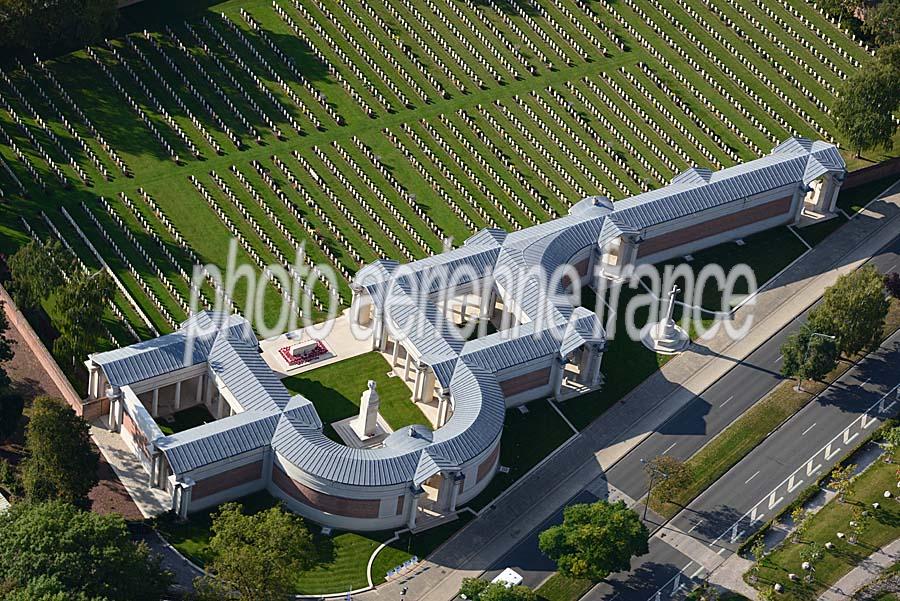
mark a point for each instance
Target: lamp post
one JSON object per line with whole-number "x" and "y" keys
{"x": 806, "y": 355}
{"x": 653, "y": 472}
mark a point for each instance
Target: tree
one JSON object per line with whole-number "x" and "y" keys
{"x": 892, "y": 283}
{"x": 864, "y": 109}
{"x": 11, "y": 405}
{"x": 81, "y": 304}
{"x": 704, "y": 592}
{"x": 842, "y": 479}
{"x": 36, "y": 273}
{"x": 48, "y": 549}
{"x": 808, "y": 354}
{"x": 892, "y": 442}
{"x": 259, "y": 555}
{"x": 669, "y": 475}
{"x": 798, "y": 517}
{"x": 853, "y": 309}
{"x": 6, "y": 354}
{"x": 758, "y": 550}
{"x": 595, "y": 540}
{"x": 60, "y": 462}
{"x": 882, "y": 22}
{"x": 476, "y": 589}
{"x": 50, "y": 26}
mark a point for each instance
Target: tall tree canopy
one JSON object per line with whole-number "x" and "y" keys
{"x": 60, "y": 462}
{"x": 55, "y": 24}
{"x": 56, "y": 552}
{"x": 882, "y": 23}
{"x": 35, "y": 272}
{"x": 475, "y": 589}
{"x": 807, "y": 355}
{"x": 595, "y": 540}
{"x": 853, "y": 309}
{"x": 260, "y": 555}
{"x": 863, "y": 111}
{"x": 81, "y": 303}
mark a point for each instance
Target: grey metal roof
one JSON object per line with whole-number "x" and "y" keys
{"x": 218, "y": 440}
{"x": 247, "y": 376}
{"x": 187, "y": 346}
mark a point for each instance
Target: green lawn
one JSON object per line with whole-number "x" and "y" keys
{"x": 852, "y": 201}
{"x": 185, "y": 420}
{"x": 527, "y": 439}
{"x": 883, "y": 527}
{"x": 335, "y": 390}
{"x": 421, "y": 545}
{"x": 563, "y": 588}
{"x": 342, "y": 557}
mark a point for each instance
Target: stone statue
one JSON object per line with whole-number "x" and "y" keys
{"x": 366, "y": 424}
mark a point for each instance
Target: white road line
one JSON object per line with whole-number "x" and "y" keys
{"x": 891, "y": 268}
{"x": 808, "y": 429}
{"x": 864, "y": 383}
{"x": 722, "y": 550}
{"x": 728, "y": 400}
{"x": 686, "y": 566}
{"x": 695, "y": 574}
{"x": 780, "y": 357}
{"x": 670, "y": 448}
{"x": 695, "y": 526}
{"x": 747, "y": 481}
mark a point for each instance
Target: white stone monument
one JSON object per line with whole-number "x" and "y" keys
{"x": 366, "y": 424}
{"x": 665, "y": 336}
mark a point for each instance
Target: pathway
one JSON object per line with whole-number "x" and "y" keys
{"x": 864, "y": 573}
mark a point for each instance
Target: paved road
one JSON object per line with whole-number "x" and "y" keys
{"x": 717, "y": 510}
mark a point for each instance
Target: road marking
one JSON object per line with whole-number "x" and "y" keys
{"x": 722, "y": 550}
{"x": 891, "y": 268}
{"x": 780, "y": 357}
{"x": 808, "y": 429}
{"x": 695, "y": 526}
{"x": 727, "y": 401}
{"x": 864, "y": 383}
{"x": 670, "y": 447}
{"x": 700, "y": 569}
{"x": 747, "y": 481}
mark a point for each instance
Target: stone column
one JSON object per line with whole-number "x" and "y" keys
{"x": 184, "y": 497}
{"x": 420, "y": 382}
{"x": 443, "y": 409}
{"x": 428, "y": 386}
{"x": 413, "y": 510}
{"x": 395, "y": 354}
{"x": 201, "y": 384}
{"x": 94, "y": 381}
{"x": 114, "y": 422}
{"x": 154, "y": 408}
{"x": 560, "y": 367}
{"x": 463, "y": 308}
{"x": 584, "y": 366}
{"x": 154, "y": 465}
{"x": 177, "y": 396}
{"x": 406, "y": 368}
{"x": 454, "y": 492}
{"x": 220, "y": 410}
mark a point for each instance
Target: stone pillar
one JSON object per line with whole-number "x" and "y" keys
{"x": 413, "y": 509}
{"x": 154, "y": 466}
{"x": 595, "y": 368}
{"x": 220, "y": 409}
{"x": 154, "y": 408}
{"x": 177, "y": 396}
{"x": 557, "y": 375}
{"x": 463, "y": 308}
{"x": 406, "y": 368}
{"x": 454, "y": 492}
{"x": 201, "y": 384}
{"x": 184, "y": 497}
{"x": 420, "y": 382}
{"x": 395, "y": 354}
{"x": 114, "y": 422}
{"x": 366, "y": 424}
{"x": 428, "y": 386}
{"x": 94, "y": 381}
{"x": 584, "y": 366}
{"x": 443, "y": 409}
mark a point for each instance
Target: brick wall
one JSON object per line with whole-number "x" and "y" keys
{"x": 227, "y": 479}
{"x": 487, "y": 465}
{"x": 860, "y": 177}
{"x": 519, "y": 384}
{"x": 353, "y": 508}
{"x": 136, "y": 434}
{"x": 713, "y": 227}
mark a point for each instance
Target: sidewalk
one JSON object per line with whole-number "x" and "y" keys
{"x": 536, "y": 496}
{"x": 864, "y": 573}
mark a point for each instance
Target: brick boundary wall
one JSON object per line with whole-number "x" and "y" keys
{"x": 17, "y": 319}
{"x": 861, "y": 177}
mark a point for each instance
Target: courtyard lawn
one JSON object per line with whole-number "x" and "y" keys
{"x": 823, "y": 526}
{"x": 335, "y": 390}
{"x": 527, "y": 439}
{"x": 343, "y": 557}
{"x": 185, "y": 420}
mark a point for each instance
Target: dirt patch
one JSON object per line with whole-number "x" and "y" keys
{"x": 31, "y": 380}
